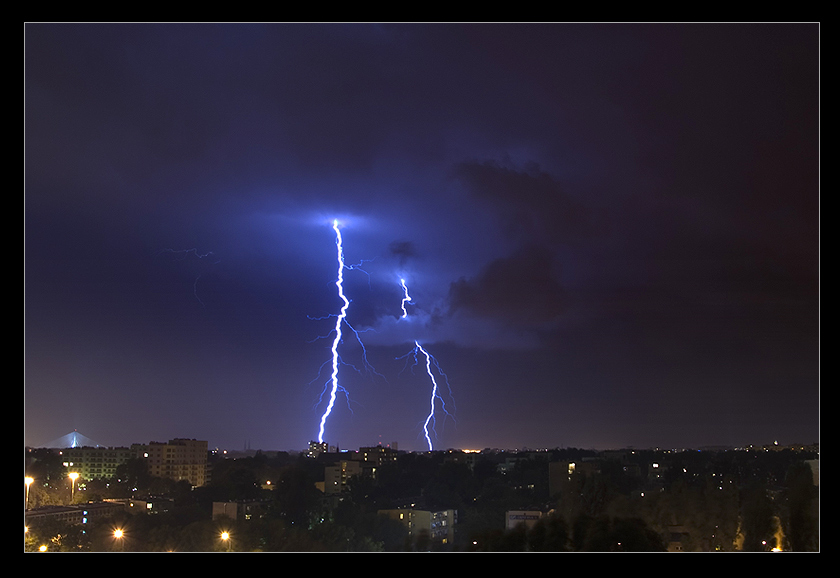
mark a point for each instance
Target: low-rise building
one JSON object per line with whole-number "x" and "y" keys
{"x": 337, "y": 476}
{"x": 149, "y": 504}
{"x": 514, "y": 518}
{"x": 439, "y": 526}
{"x": 76, "y": 514}
{"x": 241, "y": 510}
{"x": 377, "y": 455}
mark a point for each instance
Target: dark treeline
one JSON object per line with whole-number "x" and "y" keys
{"x": 635, "y": 501}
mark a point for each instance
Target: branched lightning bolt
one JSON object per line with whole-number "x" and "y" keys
{"x": 339, "y": 283}
{"x": 358, "y": 267}
{"x": 333, "y": 385}
{"x": 435, "y": 396}
{"x": 406, "y": 299}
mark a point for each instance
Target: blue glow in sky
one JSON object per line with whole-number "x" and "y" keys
{"x": 610, "y": 232}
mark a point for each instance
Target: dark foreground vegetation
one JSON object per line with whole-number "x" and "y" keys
{"x": 640, "y": 501}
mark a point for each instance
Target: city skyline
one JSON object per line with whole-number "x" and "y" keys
{"x": 609, "y": 233}
{"x": 78, "y": 440}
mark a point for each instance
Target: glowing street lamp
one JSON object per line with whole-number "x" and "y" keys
{"x": 28, "y": 481}
{"x": 225, "y": 536}
{"x": 73, "y": 477}
{"x": 118, "y": 536}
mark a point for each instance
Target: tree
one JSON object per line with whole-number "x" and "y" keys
{"x": 605, "y": 534}
{"x": 134, "y": 473}
{"x": 757, "y": 524}
{"x": 57, "y": 536}
{"x": 633, "y": 535}
{"x": 549, "y": 534}
{"x": 595, "y": 494}
{"x": 296, "y": 498}
{"x": 801, "y": 511}
{"x": 236, "y": 480}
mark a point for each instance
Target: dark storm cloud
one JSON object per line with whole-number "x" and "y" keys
{"x": 537, "y": 216}
{"x": 402, "y": 250}
{"x": 519, "y": 291}
{"x": 533, "y": 206}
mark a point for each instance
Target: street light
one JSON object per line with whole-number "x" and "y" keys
{"x": 28, "y": 481}
{"x": 73, "y": 477}
{"x": 225, "y": 536}
{"x": 118, "y": 536}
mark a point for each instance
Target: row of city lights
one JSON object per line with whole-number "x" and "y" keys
{"x": 119, "y": 535}
{"x": 118, "y": 532}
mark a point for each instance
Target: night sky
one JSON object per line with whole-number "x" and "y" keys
{"x": 610, "y": 233}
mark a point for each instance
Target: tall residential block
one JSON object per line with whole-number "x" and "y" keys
{"x": 95, "y": 462}
{"x": 178, "y": 459}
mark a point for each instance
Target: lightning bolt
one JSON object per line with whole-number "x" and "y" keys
{"x": 332, "y": 385}
{"x": 435, "y": 396}
{"x": 339, "y": 283}
{"x": 431, "y": 416}
{"x": 406, "y": 299}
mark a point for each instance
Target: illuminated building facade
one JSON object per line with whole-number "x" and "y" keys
{"x": 178, "y": 459}
{"x": 242, "y": 510}
{"x": 337, "y": 476}
{"x": 94, "y": 463}
{"x": 377, "y": 455}
{"x": 438, "y": 526}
